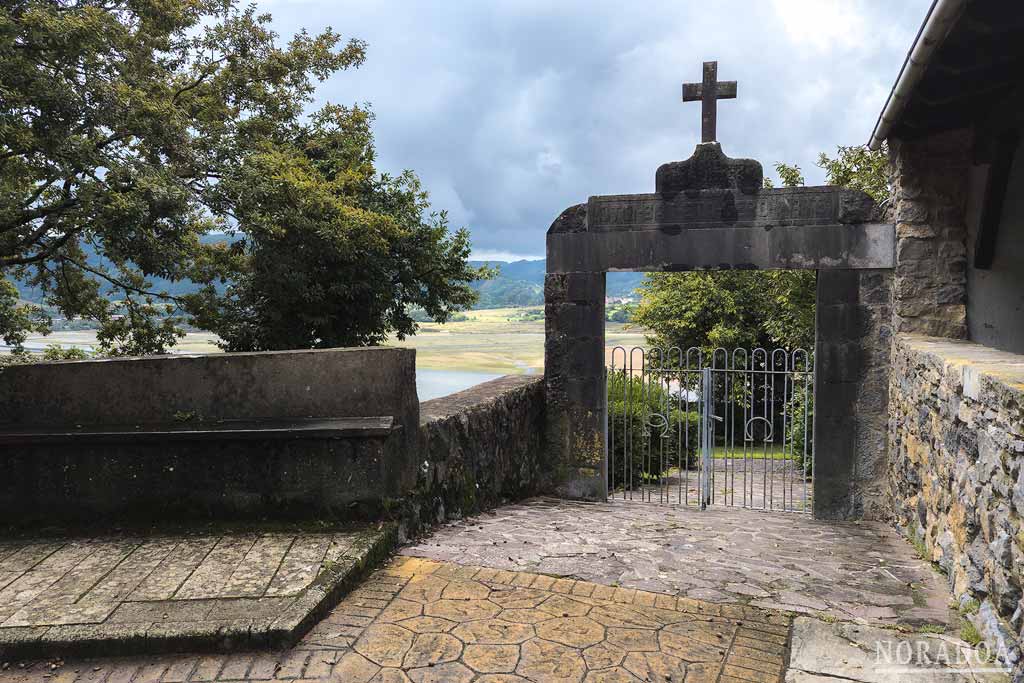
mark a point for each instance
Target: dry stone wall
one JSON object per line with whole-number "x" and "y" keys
{"x": 956, "y": 426}
{"x": 478, "y": 448}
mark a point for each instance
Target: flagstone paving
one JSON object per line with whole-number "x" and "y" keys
{"x": 855, "y": 571}
{"x": 431, "y": 622}
{"x": 223, "y": 590}
{"x": 420, "y": 621}
{"x": 617, "y": 592}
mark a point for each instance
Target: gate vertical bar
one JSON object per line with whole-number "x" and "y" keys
{"x": 707, "y": 465}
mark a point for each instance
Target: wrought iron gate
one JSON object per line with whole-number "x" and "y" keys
{"x": 731, "y": 429}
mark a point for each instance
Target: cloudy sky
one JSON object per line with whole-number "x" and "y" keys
{"x": 511, "y": 110}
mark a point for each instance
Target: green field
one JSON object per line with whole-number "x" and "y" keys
{"x": 498, "y": 341}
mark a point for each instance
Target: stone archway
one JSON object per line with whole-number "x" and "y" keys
{"x": 711, "y": 212}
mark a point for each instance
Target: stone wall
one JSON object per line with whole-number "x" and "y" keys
{"x": 930, "y": 196}
{"x": 956, "y": 426}
{"x": 207, "y": 436}
{"x": 479, "y": 448}
{"x": 353, "y": 382}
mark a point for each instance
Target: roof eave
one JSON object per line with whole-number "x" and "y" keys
{"x": 942, "y": 15}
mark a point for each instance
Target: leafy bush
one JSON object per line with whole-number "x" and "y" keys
{"x": 51, "y": 352}
{"x": 801, "y": 412}
{"x": 656, "y": 438}
{"x": 58, "y": 352}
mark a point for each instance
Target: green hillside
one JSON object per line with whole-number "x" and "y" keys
{"x": 517, "y": 283}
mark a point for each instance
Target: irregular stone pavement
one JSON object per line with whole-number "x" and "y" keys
{"x": 857, "y": 571}
{"x": 750, "y": 482}
{"x": 419, "y": 621}
{"x": 430, "y": 622}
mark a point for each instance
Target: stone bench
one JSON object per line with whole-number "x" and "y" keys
{"x": 224, "y": 430}
{"x": 323, "y": 433}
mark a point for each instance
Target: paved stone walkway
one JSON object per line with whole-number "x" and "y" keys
{"x": 420, "y": 621}
{"x": 846, "y": 571}
{"x": 430, "y": 622}
{"x": 196, "y": 590}
{"x": 751, "y": 482}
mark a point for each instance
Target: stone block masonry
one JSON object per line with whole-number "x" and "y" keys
{"x": 710, "y": 212}
{"x": 478, "y": 448}
{"x": 956, "y": 430}
{"x": 854, "y": 333}
{"x": 930, "y": 193}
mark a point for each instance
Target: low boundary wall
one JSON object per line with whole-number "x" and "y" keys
{"x": 956, "y": 473}
{"x": 137, "y": 439}
{"x": 479, "y": 448}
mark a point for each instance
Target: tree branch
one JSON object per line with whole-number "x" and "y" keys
{"x": 44, "y": 255}
{"x": 119, "y": 283}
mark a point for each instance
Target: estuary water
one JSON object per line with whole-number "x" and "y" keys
{"x": 436, "y": 383}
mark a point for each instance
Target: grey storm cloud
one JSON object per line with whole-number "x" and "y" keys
{"x": 511, "y": 111}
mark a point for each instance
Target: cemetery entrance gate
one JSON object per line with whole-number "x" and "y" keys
{"x": 727, "y": 428}
{"x": 713, "y": 212}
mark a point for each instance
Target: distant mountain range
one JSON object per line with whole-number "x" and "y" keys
{"x": 521, "y": 283}
{"x": 517, "y": 283}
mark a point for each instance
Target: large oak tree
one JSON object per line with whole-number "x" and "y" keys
{"x": 130, "y": 130}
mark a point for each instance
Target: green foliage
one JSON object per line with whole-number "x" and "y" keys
{"x": 421, "y": 316}
{"x": 16, "y": 358}
{"x": 800, "y": 409}
{"x": 619, "y": 313}
{"x": 969, "y": 632}
{"x": 631, "y": 403}
{"x": 528, "y": 315}
{"x": 502, "y": 292}
{"x": 791, "y": 176}
{"x": 50, "y": 353}
{"x": 969, "y": 607}
{"x": 17, "y": 319}
{"x": 58, "y": 352}
{"x": 860, "y": 168}
{"x": 729, "y": 309}
{"x": 135, "y": 129}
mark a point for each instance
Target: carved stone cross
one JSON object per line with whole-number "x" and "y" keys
{"x": 709, "y": 92}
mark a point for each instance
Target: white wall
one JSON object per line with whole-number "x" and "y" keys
{"x": 995, "y": 297}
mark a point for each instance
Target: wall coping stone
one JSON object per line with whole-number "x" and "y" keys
{"x": 476, "y": 396}
{"x": 977, "y": 363}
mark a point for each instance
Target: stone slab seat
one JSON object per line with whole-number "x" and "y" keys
{"x": 312, "y": 434}
{"x": 309, "y": 428}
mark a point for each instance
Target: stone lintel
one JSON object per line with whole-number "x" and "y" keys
{"x": 814, "y": 247}
{"x": 729, "y": 208}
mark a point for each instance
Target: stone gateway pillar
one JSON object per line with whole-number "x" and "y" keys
{"x": 574, "y": 372}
